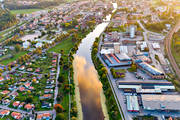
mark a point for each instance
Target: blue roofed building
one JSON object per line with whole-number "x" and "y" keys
{"x": 153, "y": 72}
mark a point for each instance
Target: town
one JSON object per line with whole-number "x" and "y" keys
{"x": 124, "y": 41}
{"x": 132, "y": 49}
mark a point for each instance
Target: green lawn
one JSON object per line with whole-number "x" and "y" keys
{"x": 65, "y": 45}
{"x": 120, "y": 70}
{"x": 15, "y": 57}
{"x": 24, "y": 11}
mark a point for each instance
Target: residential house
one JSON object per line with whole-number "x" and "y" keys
{"x": 6, "y": 102}
{"x": 46, "y": 96}
{"x": 44, "y": 116}
{"x": 16, "y": 103}
{"x": 29, "y": 107}
{"x": 46, "y": 105}
{"x": 4, "y": 92}
{"x": 16, "y": 115}
{"x": 4, "y": 112}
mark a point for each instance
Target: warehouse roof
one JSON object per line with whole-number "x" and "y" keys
{"x": 132, "y": 103}
{"x": 161, "y": 102}
{"x": 150, "y": 69}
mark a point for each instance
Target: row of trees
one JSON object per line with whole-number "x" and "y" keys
{"x": 102, "y": 72}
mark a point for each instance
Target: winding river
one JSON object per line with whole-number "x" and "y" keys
{"x": 86, "y": 77}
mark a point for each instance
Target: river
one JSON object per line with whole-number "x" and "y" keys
{"x": 85, "y": 74}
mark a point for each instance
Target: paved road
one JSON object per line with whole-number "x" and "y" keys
{"x": 30, "y": 73}
{"x": 56, "y": 88}
{"x": 12, "y": 109}
{"x": 145, "y": 30}
{"x": 41, "y": 112}
{"x": 116, "y": 92}
{"x": 168, "y": 41}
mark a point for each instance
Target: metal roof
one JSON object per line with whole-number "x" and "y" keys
{"x": 161, "y": 102}
{"x": 132, "y": 103}
{"x": 152, "y": 70}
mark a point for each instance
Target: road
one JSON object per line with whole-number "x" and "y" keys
{"x": 168, "y": 43}
{"x": 30, "y": 73}
{"x": 12, "y": 109}
{"x": 117, "y": 95}
{"x": 56, "y": 88}
{"x": 145, "y": 30}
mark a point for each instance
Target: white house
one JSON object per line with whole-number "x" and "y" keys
{"x": 38, "y": 45}
{"x": 26, "y": 44}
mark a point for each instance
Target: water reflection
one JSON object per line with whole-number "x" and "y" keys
{"x": 89, "y": 85}
{"x": 90, "y": 88}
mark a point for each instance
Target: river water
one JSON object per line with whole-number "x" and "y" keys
{"x": 84, "y": 72}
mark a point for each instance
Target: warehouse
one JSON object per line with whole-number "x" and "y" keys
{"x": 151, "y": 71}
{"x": 132, "y": 103}
{"x": 112, "y": 60}
{"x": 161, "y": 102}
{"x": 147, "y": 87}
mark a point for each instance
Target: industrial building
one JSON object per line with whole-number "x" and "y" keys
{"x": 161, "y": 102}
{"x": 146, "y": 87}
{"x": 132, "y": 103}
{"x": 112, "y": 60}
{"x": 153, "y": 72}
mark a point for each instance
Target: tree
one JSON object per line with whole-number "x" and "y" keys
{"x": 73, "y": 118}
{"x": 9, "y": 68}
{"x": 29, "y": 99}
{"x": 60, "y": 116}
{"x": 59, "y": 108}
{"x": 61, "y": 78}
{"x": 21, "y": 33}
{"x": 104, "y": 70}
{"x": 1, "y": 70}
{"x": 17, "y": 48}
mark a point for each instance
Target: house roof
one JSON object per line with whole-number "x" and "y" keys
{"x": 27, "y": 85}
{"x": 44, "y": 115}
{"x": 22, "y": 88}
{"x": 1, "y": 78}
{"x": 16, "y": 103}
{"x": 16, "y": 115}
{"x": 5, "y": 92}
{"x": 28, "y": 106}
{"x": 47, "y": 95}
{"x": 4, "y": 112}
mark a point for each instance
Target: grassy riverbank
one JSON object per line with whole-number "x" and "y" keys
{"x": 67, "y": 84}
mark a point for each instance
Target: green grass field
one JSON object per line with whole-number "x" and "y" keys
{"x": 65, "y": 45}
{"x": 24, "y": 11}
{"x": 15, "y": 57}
